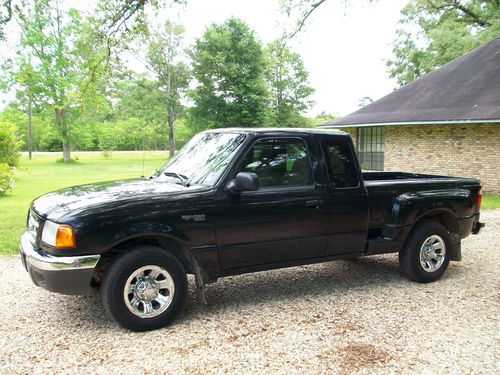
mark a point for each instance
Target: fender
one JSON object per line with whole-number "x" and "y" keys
{"x": 137, "y": 230}
{"x": 410, "y": 207}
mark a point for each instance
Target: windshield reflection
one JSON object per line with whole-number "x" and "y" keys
{"x": 203, "y": 158}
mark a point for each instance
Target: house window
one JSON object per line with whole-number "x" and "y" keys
{"x": 371, "y": 148}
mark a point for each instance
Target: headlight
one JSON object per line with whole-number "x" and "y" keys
{"x": 58, "y": 235}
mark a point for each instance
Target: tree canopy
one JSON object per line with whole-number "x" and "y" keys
{"x": 228, "y": 65}
{"x": 74, "y": 90}
{"x": 288, "y": 85}
{"x": 434, "y": 32}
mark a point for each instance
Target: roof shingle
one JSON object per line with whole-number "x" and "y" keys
{"x": 466, "y": 89}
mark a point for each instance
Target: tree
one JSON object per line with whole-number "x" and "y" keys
{"x": 288, "y": 83}
{"x": 61, "y": 64}
{"x": 229, "y": 66}
{"x": 163, "y": 59}
{"x": 139, "y": 97}
{"x": 300, "y": 10}
{"x": 5, "y": 15}
{"x": 444, "y": 30}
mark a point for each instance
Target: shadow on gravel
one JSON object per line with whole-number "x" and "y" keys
{"x": 304, "y": 281}
{"x": 282, "y": 285}
{"x": 235, "y": 292}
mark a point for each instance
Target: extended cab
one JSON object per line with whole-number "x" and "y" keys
{"x": 241, "y": 200}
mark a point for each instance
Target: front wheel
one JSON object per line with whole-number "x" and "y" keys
{"x": 425, "y": 257}
{"x": 144, "y": 289}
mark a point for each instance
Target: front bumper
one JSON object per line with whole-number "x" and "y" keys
{"x": 65, "y": 275}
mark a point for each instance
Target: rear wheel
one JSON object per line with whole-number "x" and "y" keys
{"x": 144, "y": 289}
{"x": 425, "y": 258}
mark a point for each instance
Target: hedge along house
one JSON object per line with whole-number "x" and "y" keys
{"x": 446, "y": 122}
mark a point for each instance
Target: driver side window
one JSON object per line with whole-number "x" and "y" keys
{"x": 279, "y": 162}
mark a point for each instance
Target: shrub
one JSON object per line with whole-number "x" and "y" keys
{"x": 6, "y": 178}
{"x": 9, "y": 144}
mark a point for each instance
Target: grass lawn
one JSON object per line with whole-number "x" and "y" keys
{"x": 491, "y": 201}
{"x": 43, "y": 174}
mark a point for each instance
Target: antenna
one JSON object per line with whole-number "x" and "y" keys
{"x": 143, "y": 157}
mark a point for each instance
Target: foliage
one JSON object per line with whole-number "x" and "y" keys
{"x": 9, "y": 156}
{"x": 6, "y": 178}
{"x": 299, "y": 11}
{"x": 129, "y": 134}
{"x": 164, "y": 59}
{"x": 288, "y": 85}
{"x": 228, "y": 63}
{"x": 444, "y": 30}
{"x": 75, "y": 97}
{"x": 5, "y": 16}
{"x": 322, "y": 118}
{"x": 47, "y": 35}
{"x": 56, "y": 66}
{"x": 9, "y": 144}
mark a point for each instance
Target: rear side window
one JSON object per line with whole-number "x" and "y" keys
{"x": 341, "y": 166}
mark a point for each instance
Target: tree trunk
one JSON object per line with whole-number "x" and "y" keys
{"x": 66, "y": 151}
{"x": 171, "y": 136}
{"x": 30, "y": 139}
{"x": 63, "y": 130}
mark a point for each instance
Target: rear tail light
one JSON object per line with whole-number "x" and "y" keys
{"x": 479, "y": 200}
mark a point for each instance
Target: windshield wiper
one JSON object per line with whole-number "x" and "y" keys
{"x": 181, "y": 177}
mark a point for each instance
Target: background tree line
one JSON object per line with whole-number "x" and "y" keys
{"x": 74, "y": 92}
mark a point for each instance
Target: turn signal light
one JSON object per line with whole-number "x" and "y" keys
{"x": 65, "y": 237}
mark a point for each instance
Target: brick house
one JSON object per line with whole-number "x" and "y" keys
{"x": 446, "y": 122}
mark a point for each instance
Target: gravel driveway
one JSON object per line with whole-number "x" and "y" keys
{"x": 340, "y": 317}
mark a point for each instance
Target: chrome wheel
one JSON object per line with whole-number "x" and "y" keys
{"x": 149, "y": 291}
{"x": 432, "y": 253}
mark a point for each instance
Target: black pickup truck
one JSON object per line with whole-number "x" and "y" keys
{"x": 240, "y": 200}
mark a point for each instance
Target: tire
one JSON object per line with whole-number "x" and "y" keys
{"x": 425, "y": 256}
{"x": 156, "y": 283}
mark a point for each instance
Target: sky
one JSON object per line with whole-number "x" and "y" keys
{"x": 344, "y": 46}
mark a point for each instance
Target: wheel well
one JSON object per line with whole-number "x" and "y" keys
{"x": 168, "y": 244}
{"x": 445, "y": 219}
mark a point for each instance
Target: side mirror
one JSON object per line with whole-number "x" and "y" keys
{"x": 244, "y": 181}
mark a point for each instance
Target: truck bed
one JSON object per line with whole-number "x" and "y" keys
{"x": 374, "y": 178}
{"x": 384, "y": 187}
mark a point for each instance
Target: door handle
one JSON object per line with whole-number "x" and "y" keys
{"x": 314, "y": 203}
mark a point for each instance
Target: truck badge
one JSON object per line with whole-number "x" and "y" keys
{"x": 196, "y": 217}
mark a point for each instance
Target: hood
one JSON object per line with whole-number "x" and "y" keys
{"x": 61, "y": 202}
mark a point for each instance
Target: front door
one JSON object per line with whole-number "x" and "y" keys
{"x": 285, "y": 220}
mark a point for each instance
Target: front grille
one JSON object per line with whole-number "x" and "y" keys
{"x": 33, "y": 226}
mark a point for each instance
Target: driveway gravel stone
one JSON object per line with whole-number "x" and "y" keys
{"x": 341, "y": 317}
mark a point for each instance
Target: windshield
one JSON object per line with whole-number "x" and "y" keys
{"x": 203, "y": 159}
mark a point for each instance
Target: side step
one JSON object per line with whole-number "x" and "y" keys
{"x": 380, "y": 245}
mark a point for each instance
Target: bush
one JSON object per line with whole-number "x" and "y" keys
{"x": 9, "y": 144}
{"x": 6, "y": 178}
